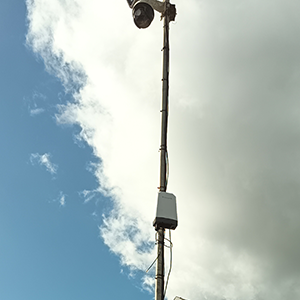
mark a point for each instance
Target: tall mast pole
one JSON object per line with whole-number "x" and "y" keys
{"x": 168, "y": 16}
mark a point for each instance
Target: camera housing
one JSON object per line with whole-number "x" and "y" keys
{"x": 143, "y": 11}
{"x": 143, "y": 14}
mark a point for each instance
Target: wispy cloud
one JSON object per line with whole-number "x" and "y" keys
{"x": 38, "y": 96}
{"x": 34, "y": 103}
{"x": 44, "y": 160}
{"x": 88, "y": 195}
{"x": 36, "y": 111}
{"x": 62, "y": 199}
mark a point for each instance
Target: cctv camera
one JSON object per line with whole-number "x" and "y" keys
{"x": 143, "y": 11}
{"x": 143, "y": 14}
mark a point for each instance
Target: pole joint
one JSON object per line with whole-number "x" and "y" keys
{"x": 169, "y": 12}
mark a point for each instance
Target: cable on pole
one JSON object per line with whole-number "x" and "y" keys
{"x": 153, "y": 262}
{"x": 167, "y": 168}
{"x": 170, "y": 267}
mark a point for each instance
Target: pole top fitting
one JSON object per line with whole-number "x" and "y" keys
{"x": 170, "y": 12}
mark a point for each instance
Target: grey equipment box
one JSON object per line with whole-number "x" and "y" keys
{"x": 166, "y": 211}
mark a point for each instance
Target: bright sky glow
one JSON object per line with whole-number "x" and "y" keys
{"x": 234, "y": 139}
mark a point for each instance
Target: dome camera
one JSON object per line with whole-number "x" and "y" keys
{"x": 143, "y": 14}
{"x": 143, "y": 11}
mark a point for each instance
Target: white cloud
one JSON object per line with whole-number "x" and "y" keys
{"x": 44, "y": 160}
{"x": 38, "y": 96}
{"x": 88, "y": 195}
{"x": 36, "y": 111}
{"x": 62, "y": 199}
{"x": 233, "y": 134}
{"x": 34, "y": 103}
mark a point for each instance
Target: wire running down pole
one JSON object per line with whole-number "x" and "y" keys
{"x": 168, "y": 16}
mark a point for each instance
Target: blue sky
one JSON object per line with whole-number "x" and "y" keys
{"x": 80, "y": 125}
{"x": 47, "y": 250}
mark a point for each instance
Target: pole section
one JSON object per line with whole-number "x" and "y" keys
{"x": 165, "y": 104}
{"x": 159, "y": 278}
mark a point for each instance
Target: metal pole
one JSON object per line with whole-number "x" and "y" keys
{"x": 159, "y": 282}
{"x": 159, "y": 278}
{"x": 165, "y": 105}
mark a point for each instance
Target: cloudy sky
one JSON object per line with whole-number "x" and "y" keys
{"x": 80, "y": 101}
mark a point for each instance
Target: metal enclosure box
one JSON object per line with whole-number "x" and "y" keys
{"x": 166, "y": 211}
